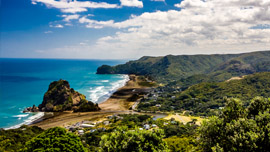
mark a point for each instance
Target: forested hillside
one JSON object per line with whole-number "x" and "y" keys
{"x": 207, "y": 97}
{"x": 191, "y": 69}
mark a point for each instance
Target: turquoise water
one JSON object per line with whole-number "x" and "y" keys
{"x": 23, "y": 83}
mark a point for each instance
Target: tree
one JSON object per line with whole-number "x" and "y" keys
{"x": 133, "y": 140}
{"x": 15, "y": 139}
{"x": 180, "y": 144}
{"x": 238, "y": 128}
{"x": 55, "y": 139}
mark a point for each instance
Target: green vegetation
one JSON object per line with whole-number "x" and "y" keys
{"x": 133, "y": 140}
{"x": 135, "y": 126}
{"x": 14, "y": 139}
{"x": 175, "y": 69}
{"x": 181, "y": 144}
{"x": 130, "y": 121}
{"x": 238, "y": 128}
{"x": 85, "y": 106}
{"x": 207, "y": 97}
{"x": 55, "y": 139}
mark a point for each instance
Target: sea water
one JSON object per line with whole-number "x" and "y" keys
{"x": 23, "y": 83}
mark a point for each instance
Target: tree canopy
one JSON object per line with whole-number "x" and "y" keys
{"x": 133, "y": 140}
{"x": 55, "y": 139}
{"x": 238, "y": 128}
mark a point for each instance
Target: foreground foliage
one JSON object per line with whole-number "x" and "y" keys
{"x": 15, "y": 139}
{"x": 133, "y": 140}
{"x": 238, "y": 128}
{"x": 55, "y": 139}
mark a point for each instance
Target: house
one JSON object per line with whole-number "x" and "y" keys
{"x": 81, "y": 132}
{"x": 146, "y": 126}
{"x": 87, "y": 125}
{"x": 158, "y": 105}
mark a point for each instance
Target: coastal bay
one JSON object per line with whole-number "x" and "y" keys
{"x": 23, "y": 83}
{"x": 119, "y": 102}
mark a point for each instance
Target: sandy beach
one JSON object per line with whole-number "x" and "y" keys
{"x": 118, "y": 103}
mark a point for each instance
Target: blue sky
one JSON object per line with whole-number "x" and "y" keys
{"x": 129, "y": 29}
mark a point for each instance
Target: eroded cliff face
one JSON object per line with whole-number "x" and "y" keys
{"x": 60, "y": 97}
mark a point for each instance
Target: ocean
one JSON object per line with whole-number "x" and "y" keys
{"x": 23, "y": 83}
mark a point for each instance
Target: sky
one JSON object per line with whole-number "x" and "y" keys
{"x": 130, "y": 29}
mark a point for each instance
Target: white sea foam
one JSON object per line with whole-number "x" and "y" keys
{"x": 104, "y": 80}
{"x": 28, "y": 121}
{"x": 102, "y": 93}
{"x": 21, "y": 116}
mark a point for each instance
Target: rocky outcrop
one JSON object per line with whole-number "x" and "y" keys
{"x": 31, "y": 109}
{"x": 60, "y": 97}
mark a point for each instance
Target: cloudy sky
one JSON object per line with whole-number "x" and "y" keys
{"x": 129, "y": 29}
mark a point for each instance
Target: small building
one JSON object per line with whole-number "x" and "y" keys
{"x": 154, "y": 125}
{"x": 158, "y": 105}
{"x": 146, "y": 126}
{"x": 80, "y": 132}
{"x": 87, "y": 125}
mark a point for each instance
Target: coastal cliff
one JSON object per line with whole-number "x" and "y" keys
{"x": 60, "y": 97}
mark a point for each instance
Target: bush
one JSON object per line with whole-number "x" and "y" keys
{"x": 133, "y": 140}
{"x": 55, "y": 139}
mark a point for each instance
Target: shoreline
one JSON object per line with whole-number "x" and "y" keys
{"x": 109, "y": 94}
{"x": 28, "y": 121}
{"x": 41, "y": 116}
{"x": 118, "y": 103}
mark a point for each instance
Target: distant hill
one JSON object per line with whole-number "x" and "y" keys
{"x": 191, "y": 69}
{"x": 205, "y": 97}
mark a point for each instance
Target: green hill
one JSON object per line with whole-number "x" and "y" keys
{"x": 206, "y": 97}
{"x": 197, "y": 68}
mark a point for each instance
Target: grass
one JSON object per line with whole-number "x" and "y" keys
{"x": 184, "y": 119}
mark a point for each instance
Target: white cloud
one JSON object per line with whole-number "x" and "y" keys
{"x": 199, "y": 27}
{"x": 214, "y": 26}
{"x": 132, "y": 3}
{"x": 67, "y": 18}
{"x": 158, "y": 0}
{"x": 74, "y": 6}
{"x": 57, "y": 26}
{"x": 95, "y": 24}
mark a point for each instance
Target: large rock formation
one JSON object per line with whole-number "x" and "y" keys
{"x": 60, "y": 97}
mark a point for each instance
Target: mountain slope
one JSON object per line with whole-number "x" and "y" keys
{"x": 210, "y": 67}
{"x": 206, "y": 97}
